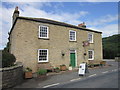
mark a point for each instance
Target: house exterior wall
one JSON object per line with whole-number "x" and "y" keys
{"x": 25, "y": 43}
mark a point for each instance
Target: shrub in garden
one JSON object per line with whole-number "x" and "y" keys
{"x": 28, "y": 69}
{"x": 41, "y": 71}
{"x": 8, "y": 59}
{"x": 56, "y": 69}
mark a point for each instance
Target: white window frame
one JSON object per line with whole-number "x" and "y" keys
{"x": 92, "y": 55}
{"x": 69, "y": 35}
{"x": 47, "y": 31}
{"x": 91, "y": 41}
{"x": 47, "y": 55}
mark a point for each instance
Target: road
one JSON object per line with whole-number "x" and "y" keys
{"x": 102, "y": 77}
{"x": 105, "y": 80}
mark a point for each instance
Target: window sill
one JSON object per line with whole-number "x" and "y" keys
{"x": 72, "y": 41}
{"x": 43, "y": 62}
{"x": 44, "y": 38}
{"x": 91, "y": 43}
{"x": 90, "y": 59}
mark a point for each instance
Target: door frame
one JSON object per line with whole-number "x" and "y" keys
{"x": 75, "y": 57}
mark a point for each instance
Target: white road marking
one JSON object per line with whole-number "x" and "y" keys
{"x": 92, "y": 75}
{"x": 112, "y": 70}
{"x": 105, "y": 72}
{"x": 75, "y": 79}
{"x": 51, "y": 85}
{"x": 115, "y": 69}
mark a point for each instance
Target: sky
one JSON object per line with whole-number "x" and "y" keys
{"x": 100, "y": 16}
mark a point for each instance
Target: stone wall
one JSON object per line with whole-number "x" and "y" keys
{"x": 12, "y": 76}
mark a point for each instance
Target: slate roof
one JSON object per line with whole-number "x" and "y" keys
{"x": 52, "y": 22}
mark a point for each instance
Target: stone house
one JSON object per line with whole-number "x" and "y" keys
{"x": 39, "y": 41}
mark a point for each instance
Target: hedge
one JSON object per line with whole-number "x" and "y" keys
{"x": 8, "y": 59}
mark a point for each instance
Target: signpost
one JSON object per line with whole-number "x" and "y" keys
{"x": 85, "y": 43}
{"x": 82, "y": 68}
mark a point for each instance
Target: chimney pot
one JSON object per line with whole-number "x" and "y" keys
{"x": 16, "y": 9}
{"x": 82, "y": 25}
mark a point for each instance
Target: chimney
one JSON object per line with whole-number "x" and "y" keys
{"x": 82, "y": 25}
{"x": 15, "y": 14}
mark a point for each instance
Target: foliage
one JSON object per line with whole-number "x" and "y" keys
{"x": 41, "y": 71}
{"x": 70, "y": 65}
{"x": 93, "y": 65}
{"x": 8, "y": 59}
{"x": 111, "y": 46}
{"x": 63, "y": 65}
{"x": 7, "y": 47}
{"x": 57, "y": 68}
{"x": 28, "y": 69}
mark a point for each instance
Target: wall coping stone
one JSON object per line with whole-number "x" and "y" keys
{"x": 10, "y": 68}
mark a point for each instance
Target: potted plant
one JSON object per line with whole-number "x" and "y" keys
{"x": 70, "y": 67}
{"x": 57, "y": 70}
{"x": 41, "y": 73}
{"x": 63, "y": 67}
{"x": 28, "y": 72}
{"x": 103, "y": 63}
{"x": 91, "y": 65}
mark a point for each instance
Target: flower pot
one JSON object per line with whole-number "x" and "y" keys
{"x": 103, "y": 63}
{"x": 70, "y": 68}
{"x": 57, "y": 70}
{"x": 63, "y": 68}
{"x": 28, "y": 75}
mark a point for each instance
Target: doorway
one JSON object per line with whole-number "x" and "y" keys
{"x": 73, "y": 58}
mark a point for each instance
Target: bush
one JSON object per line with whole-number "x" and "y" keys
{"x": 8, "y": 59}
{"x": 28, "y": 69}
{"x": 91, "y": 65}
{"x": 63, "y": 65}
{"x": 41, "y": 71}
{"x": 56, "y": 69}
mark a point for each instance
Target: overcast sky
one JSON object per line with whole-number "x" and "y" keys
{"x": 100, "y": 16}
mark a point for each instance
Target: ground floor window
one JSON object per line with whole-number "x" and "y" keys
{"x": 43, "y": 55}
{"x": 90, "y": 54}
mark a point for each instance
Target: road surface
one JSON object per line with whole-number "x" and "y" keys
{"x": 105, "y": 80}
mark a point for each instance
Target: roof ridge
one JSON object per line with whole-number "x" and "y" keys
{"x": 51, "y": 20}
{"x": 44, "y": 20}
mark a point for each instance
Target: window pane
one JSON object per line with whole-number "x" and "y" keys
{"x": 90, "y": 37}
{"x": 42, "y": 55}
{"x": 90, "y": 54}
{"x": 43, "y": 31}
{"x": 72, "y": 35}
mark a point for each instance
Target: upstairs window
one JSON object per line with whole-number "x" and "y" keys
{"x": 72, "y": 35}
{"x": 90, "y": 37}
{"x": 43, "y": 32}
{"x": 90, "y": 54}
{"x": 43, "y": 55}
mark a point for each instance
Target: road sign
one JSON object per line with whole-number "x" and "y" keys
{"x": 82, "y": 69}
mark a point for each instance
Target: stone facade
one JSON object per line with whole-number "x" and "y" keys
{"x": 12, "y": 76}
{"x": 25, "y": 42}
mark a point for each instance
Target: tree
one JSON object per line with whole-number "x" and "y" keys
{"x": 111, "y": 46}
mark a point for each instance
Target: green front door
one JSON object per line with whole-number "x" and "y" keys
{"x": 72, "y": 59}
